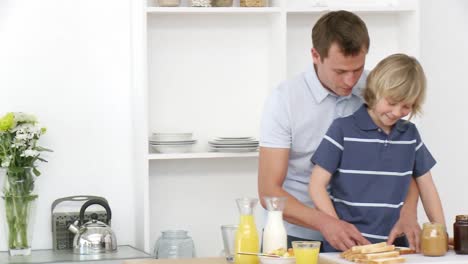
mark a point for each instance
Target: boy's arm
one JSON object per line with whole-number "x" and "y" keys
{"x": 430, "y": 198}
{"x": 318, "y": 183}
{"x": 408, "y": 222}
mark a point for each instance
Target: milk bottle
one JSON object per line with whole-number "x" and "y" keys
{"x": 274, "y": 233}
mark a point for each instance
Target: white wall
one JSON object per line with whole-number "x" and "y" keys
{"x": 444, "y": 55}
{"x": 68, "y": 62}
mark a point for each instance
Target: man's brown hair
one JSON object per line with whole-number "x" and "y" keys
{"x": 343, "y": 28}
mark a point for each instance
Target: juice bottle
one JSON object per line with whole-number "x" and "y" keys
{"x": 246, "y": 235}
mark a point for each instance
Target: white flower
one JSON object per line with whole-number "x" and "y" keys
{"x": 18, "y": 144}
{"x": 30, "y": 153}
{"x": 23, "y": 117}
{"x": 6, "y": 162}
{"x": 21, "y": 137}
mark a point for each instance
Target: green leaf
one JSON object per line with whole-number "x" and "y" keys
{"x": 36, "y": 172}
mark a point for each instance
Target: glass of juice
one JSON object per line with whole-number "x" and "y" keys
{"x": 306, "y": 252}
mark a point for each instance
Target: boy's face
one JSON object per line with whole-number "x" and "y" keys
{"x": 337, "y": 72}
{"x": 386, "y": 112}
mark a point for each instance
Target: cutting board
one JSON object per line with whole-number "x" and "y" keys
{"x": 449, "y": 258}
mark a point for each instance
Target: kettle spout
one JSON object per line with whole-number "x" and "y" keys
{"x": 74, "y": 227}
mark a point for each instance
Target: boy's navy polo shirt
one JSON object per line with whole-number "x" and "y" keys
{"x": 371, "y": 170}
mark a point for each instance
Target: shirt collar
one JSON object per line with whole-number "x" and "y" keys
{"x": 317, "y": 89}
{"x": 365, "y": 122}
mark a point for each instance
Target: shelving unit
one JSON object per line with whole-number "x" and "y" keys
{"x": 208, "y": 71}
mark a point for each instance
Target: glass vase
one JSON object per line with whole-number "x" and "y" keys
{"x": 19, "y": 209}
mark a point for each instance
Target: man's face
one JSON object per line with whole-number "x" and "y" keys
{"x": 339, "y": 73}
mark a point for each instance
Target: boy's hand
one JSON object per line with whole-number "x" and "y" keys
{"x": 409, "y": 226}
{"x": 342, "y": 235}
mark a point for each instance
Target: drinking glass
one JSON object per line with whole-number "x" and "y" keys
{"x": 306, "y": 252}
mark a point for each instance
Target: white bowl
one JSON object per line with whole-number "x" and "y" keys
{"x": 280, "y": 260}
{"x": 171, "y": 136}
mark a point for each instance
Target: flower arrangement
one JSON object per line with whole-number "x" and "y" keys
{"x": 19, "y": 133}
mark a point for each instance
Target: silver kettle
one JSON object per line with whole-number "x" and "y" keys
{"x": 93, "y": 237}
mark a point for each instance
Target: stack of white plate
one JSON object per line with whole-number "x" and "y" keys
{"x": 233, "y": 144}
{"x": 171, "y": 142}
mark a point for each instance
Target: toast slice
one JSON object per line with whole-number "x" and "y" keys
{"x": 379, "y": 253}
{"x": 405, "y": 250}
{"x": 387, "y": 260}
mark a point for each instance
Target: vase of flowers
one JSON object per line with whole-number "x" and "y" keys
{"x": 19, "y": 153}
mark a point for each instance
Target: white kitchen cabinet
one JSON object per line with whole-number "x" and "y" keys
{"x": 208, "y": 71}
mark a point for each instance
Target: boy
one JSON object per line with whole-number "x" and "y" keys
{"x": 368, "y": 158}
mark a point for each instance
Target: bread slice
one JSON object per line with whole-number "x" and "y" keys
{"x": 378, "y": 249}
{"x": 359, "y": 249}
{"x": 387, "y": 260}
{"x": 379, "y": 253}
{"x": 366, "y": 247}
{"x": 405, "y": 250}
{"x": 389, "y": 254}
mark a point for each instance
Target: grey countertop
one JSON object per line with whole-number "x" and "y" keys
{"x": 67, "y": 257}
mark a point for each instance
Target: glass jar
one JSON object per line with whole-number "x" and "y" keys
{"x": 434, "y": 240}
{"x": 460, "y": 234}
{"x": 252, "y": 3}
{"x": 200, "y": 3}
{"x": 174, "y": 244}
{"x": 168, "y": 3}
{"x": 221, "y": 3}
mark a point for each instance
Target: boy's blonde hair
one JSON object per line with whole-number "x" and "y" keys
{"x": 400, "y": 78}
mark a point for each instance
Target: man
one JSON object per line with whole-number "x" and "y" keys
{"x": 295, "y": 119}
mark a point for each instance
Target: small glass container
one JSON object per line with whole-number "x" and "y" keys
{"x": 253, "y": 3}
{"x": 200, "y": 3}
{"x": 460, "y": 234}
{"x": 221, "y": 3}
{"x": 174, "y": 244}
{"x": 168, "y": 3}
{"x": 433, "y": 239}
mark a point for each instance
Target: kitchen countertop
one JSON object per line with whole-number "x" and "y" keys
{"x": 449, "y": 258}
{"x": 67, "y": 257}
{"x": 324, "y": 258}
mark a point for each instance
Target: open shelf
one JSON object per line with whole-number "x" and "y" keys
{"x": 356, "y": 9}
{"x": 200, "y": 155}
{"x": 212, "y": 10}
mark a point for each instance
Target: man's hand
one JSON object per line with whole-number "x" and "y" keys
{"x": 341, "y": 235}
{"x": 408, "y": 225}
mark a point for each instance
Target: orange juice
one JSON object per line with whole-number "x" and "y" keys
{"x": 246, "y": 240}
{"x": 306, "y": 252}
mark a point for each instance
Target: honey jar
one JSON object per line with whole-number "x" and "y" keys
{"x": 460, "y": 234}
{"x": 433, "y": 239}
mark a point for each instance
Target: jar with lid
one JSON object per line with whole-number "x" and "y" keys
{"x": 168, "y": 3}
{"x": 200, "y": 3}
{"x": 460, "y": 234}
{"x": 174, "y": 244}
{"x": 221, "y": 3}
{"x": 434, "y": 239}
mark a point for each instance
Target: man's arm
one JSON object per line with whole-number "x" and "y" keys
{"x": 272, "y": 169}
{"x": 408, "y": 222}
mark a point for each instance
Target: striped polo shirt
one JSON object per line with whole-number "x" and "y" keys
{"x": 371, "y": 170}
